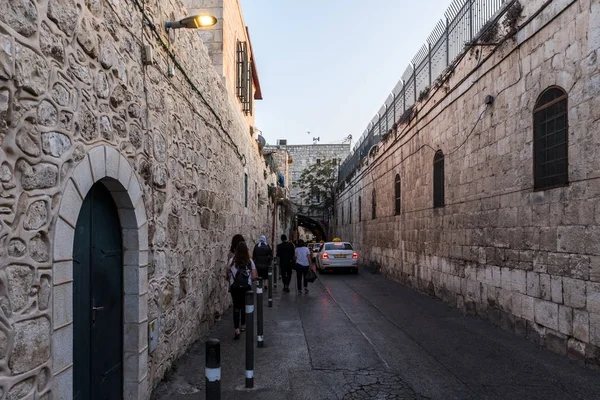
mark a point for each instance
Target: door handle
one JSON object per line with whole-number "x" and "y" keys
{"x": 94, "y": 309}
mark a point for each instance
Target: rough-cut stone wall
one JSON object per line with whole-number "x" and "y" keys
{"x": 71, "y": 79}
{"x": 527, "y": 260}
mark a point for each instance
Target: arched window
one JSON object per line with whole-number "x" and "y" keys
{"x": 438, "y": 179}
{"x": 359, "y": 209}
{"x": 550, "y": 132}
{"x": 374, "y": 206}
{"x": 397, "y": 193}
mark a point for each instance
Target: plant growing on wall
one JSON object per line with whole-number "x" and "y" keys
{"x": 317, "y": 185}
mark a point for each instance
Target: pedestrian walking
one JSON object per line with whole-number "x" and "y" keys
{"x": 263, "y": 256}
{"x": 287, "y": 254}
{"x": 302, "y": 265}
{"x": 234, "y": 242}
{"x": 240, "y": 275}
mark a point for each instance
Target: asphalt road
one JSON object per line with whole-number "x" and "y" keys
{"x": 365, "y": 337}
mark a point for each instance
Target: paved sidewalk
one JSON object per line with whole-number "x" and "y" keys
{"x": 365, "y": 337}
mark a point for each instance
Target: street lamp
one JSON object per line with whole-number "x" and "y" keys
{"x": 192, "y": 22}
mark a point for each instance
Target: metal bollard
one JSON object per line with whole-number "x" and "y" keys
{"x": 250, "y": 339}
{"x": 270, "y": 287}
{"x": 275, "y": 273}
{"x": 259, "y": 314}
{"x": 213, "y": 369}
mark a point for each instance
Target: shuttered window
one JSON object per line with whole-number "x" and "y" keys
{"x": 550, "y": 140}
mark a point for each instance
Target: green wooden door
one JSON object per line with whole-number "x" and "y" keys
{"x": 98, "y": 299}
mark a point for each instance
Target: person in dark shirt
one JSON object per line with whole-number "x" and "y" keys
{"x": 286, "y": 253}
{"x": 262, "y": 257}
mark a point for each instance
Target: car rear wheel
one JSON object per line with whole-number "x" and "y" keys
{"x": 355, "y": 271}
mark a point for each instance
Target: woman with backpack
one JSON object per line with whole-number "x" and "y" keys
{"x": 241, "y": 273}
{"x": 234, "y": 242}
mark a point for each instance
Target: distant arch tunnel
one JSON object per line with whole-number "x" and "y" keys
{"x": 317, "y": 227}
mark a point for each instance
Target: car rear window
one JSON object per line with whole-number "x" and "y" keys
{"x": 338, "y": 246}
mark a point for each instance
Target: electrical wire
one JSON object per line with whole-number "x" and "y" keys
{"x": 193, "y": 86}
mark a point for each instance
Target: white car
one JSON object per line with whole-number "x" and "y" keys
{"x": 337, "y": 255}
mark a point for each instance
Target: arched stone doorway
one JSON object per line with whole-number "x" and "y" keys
{"x": 104, "y": 169}
{"x": 98, "y": 299}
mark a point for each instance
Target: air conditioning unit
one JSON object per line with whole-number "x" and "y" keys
{"x": 281, "y": 142}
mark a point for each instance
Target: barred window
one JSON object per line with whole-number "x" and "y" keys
{"x": 246, "y": 190}
{"x": 438, "y": 179}
{"x": 550, "y": 140}
{"x": 374, "y": 206}
{"x": 397, "y": 189}
{"x": 359, "y": 209}
{"x": 350, "y": 213}
{"x": 244, "y": 78}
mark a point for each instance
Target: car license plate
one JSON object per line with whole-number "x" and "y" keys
{"x": 340, "y": 256}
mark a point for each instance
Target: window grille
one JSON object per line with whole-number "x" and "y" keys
{"x": 245, "y": 190}
{"x": 438, "y": 179}
{"x": 550, "y": 140}
{"x": 244, "y": 78}
{"x": 397, "y": 189}
{"x": 350, "y": 214}
{"x": 359, "y": 209}
{"x": 374, "y": 206}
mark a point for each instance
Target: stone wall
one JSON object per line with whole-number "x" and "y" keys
{"x": 75, "y": 96}
{"x": 527, "y": 260}
{"x": 303, "y": 156}
{"x": 221, "y": 41}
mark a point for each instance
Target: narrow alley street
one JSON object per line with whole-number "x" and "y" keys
{"x": 366, "y": 337}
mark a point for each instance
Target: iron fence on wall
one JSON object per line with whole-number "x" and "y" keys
{"x": 462, "y": 23}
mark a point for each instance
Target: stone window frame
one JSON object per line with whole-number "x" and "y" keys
{"x": 397, "y": 195}
{"x": 106, "y": 165}
{"x": 438, "y": 180}
{"x": 558, "y": 103}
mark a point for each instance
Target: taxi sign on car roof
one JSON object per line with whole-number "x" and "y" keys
{"x": 336, "y": 240}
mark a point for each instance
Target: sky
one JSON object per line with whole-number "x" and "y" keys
{"x": 327, "y": 66}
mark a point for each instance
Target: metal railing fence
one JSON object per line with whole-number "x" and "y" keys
{"x": 461, "y": 24}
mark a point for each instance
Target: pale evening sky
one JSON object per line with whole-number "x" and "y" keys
{"x": 327, "y": 66}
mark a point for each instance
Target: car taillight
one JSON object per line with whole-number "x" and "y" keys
{"x": 325, "y": 255}
{"x": 354, "y": 255}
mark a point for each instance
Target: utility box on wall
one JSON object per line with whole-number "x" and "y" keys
{"x": 153, "y": 335}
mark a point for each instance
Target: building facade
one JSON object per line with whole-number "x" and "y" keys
{"x": 114, "y": 217}
{"x": 303, "y": 156}
{"x": 486, "y": 194}
{"x": 230, "y": 49}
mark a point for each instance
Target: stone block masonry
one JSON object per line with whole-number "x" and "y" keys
{"x": 525, "y": 259}
{"x": 77, "y": 107}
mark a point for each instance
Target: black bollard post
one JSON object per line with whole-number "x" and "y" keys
{"x": 259, "y": 314}
{"x": 270, "y": 287}
{"x": 213, "y": 369}
{"x": 275, "y": 273}
{"x": 250, "y": 339}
